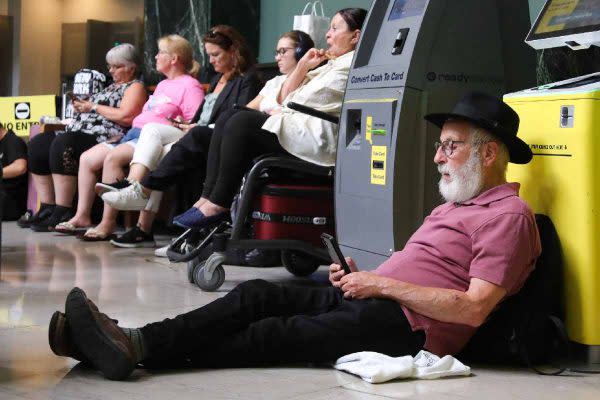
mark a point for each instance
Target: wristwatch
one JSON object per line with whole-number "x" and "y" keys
{"x": 94, "y": 107}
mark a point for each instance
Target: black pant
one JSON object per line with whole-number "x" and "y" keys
{"x": 236, "y": 142}
{"x": 58, "y": 152}
{"x": 223, "y": 155}
{"x": 260, "y": 323}
{"x": 188, "y": 154}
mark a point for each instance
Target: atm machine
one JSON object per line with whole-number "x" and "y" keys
{"x": 415, "y": 57}
{"x": 561, "y": 123}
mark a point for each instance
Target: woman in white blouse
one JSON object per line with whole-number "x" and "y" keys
{"x": 247, "y": 134}
{"x": 291, "y": 47}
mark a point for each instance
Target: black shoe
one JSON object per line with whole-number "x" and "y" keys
{"x": 99, "y": 338}
{"x": 102, "y": 187}
{"x": 135, "y": 237}
{"x": 59, "y": 214}
{"x": 29, "y": 217}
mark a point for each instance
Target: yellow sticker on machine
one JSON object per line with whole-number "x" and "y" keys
{"x": 378, "y": 161}
{"x": 369, "y": 129}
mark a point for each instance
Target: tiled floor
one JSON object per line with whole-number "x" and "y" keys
{"x": 39, "y": 269}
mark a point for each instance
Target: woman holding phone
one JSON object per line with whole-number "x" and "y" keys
{"x": 190, "y": 152}
{"x": 235, "y": 82}
{"x": 248, "y": 134}
{"x": 179, "y": 95}
{"x": 53, "y": 157}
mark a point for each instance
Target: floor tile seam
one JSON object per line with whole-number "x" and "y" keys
{"x": 302, "y": 395}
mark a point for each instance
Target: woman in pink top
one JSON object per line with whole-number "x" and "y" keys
{"x": 177, "y": 97}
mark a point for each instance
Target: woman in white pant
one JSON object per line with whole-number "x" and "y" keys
{"x": 178, "y": 96}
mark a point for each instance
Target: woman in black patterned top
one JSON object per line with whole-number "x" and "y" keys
{"x": 105, "y": 117}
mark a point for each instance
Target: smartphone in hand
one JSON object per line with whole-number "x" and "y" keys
{"x": 72, "y": 96}
{"x": 334, "y": 252}
{"x": 177, "y": 122}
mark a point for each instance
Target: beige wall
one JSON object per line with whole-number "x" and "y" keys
{"x": 3, "y": 7}
{"x": 40, "y": 47}
{"x": 103, "y": 10}
{"x": 40, "y": 35}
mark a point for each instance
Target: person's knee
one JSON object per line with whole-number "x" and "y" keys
{"x": 254, "y": 286}
{"x": 150, "y": 131}
{"x": 88, "y": 160}
{"x": 117, "y": 158}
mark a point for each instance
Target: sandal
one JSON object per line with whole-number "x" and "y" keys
{"x": 94, "y": 235}
{"x": 67, "y": 228}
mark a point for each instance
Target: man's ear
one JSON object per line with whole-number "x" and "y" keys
{"x": 489, "y": 153}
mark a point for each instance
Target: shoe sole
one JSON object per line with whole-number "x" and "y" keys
{"x": 101, "y": 188}
{"x": 41, "y": 229}
{"x": 133, "y": 245}
{"x": 52, "y": 332}
{"x": 179, "y": 224}
{"x": 103, "y": 354}
{"x": 125, "y": 207}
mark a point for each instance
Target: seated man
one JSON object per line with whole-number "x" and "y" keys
{"x": 471, "y": 253}
{"x": 13, "y": 157}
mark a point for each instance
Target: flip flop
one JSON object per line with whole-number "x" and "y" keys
{"x": 93, "y": 235}
{"x": 67, "y": 228}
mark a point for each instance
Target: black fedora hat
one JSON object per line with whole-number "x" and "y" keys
{"x": 493, "y": 115}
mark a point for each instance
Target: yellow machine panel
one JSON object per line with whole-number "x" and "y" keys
{"x": 561, "y": 124}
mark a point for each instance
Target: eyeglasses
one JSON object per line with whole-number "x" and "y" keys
{"x": 448, "y": 146}
{"x": 213, "y": 35}
{"x": 281, "y": 51}
{"x": 114, "y": 66}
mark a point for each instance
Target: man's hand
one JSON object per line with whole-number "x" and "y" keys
{"x": 336, "y": 272}
{"x": 362, "y": 285}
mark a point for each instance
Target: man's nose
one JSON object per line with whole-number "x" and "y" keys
{"x": 440, "y": 156}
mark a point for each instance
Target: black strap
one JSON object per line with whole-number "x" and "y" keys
{"x": 564, "y": 342}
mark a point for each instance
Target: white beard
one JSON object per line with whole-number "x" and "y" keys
{"x": 465, "y": 182}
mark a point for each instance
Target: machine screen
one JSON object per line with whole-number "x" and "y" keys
{"x": 566, "y": 17}
{"x": 407, "y": 8}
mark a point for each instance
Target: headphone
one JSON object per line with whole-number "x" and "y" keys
{"x": 305, "y": 43}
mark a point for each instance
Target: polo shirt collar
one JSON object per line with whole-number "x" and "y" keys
{"x": 494, "y": 194}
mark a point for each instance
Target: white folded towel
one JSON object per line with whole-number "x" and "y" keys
{"x": 376, "y": 367}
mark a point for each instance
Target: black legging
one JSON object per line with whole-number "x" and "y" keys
{"x": 58, "y": 152}
{"x": 234, "y": 145}
{"x": 225, "y": 154}
{"x": 187, "y": 154}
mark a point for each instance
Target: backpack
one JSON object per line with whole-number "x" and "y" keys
{"x": 527, "y": 328}
{"x": 85, "y": 83}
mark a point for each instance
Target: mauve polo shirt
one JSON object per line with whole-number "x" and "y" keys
{"x": 491, "y": 237}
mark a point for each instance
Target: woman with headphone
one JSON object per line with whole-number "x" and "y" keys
{"x": 291, "y": 47}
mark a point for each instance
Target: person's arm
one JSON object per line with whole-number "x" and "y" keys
{"x": 131, "y": 105}
{"x": 310, "y": 60}
{"x": 14, "y": 169}
{"x": 448, "y": 305}
{"x": 255, "y": 103}
{"x": 192, "y": 99}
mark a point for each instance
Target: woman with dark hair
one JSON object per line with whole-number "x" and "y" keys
{"x": 290, "y": 48}
{"x": 235, "y": 83}
{"x": 247, "y": 135}
{"x": 178, "y": 95}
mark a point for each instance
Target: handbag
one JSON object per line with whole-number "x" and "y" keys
{"x": 314, "y": 23}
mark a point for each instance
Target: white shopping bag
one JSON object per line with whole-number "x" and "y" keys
{"x": 313, "y": 23}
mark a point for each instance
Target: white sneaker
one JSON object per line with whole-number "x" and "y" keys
{"x": 162, "y": 251}
{"x": 131, "y": 198}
